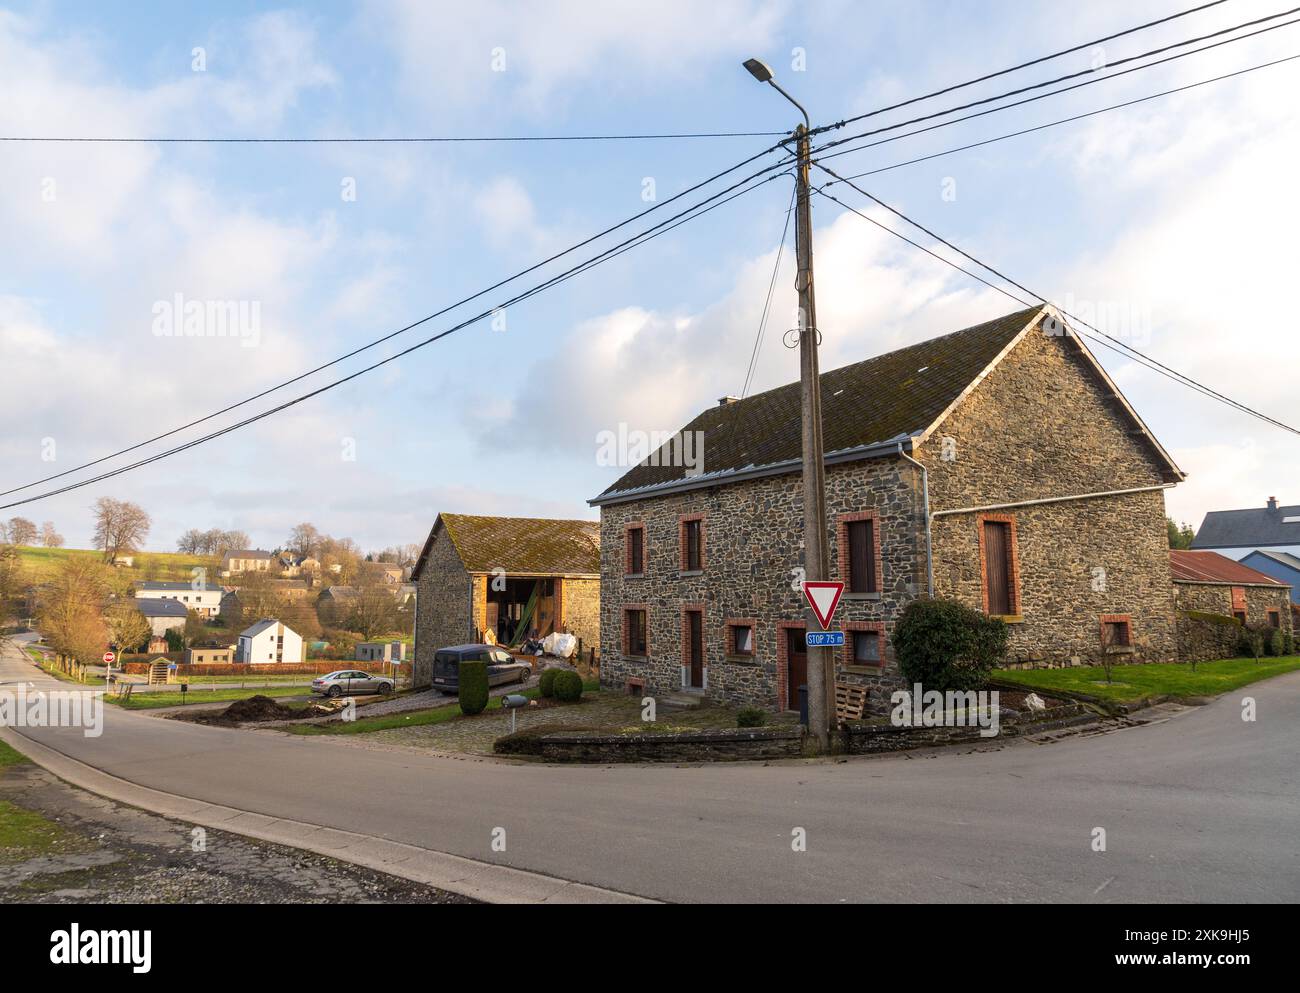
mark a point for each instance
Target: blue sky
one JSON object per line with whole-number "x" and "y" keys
{"x": 1176, "y": 213}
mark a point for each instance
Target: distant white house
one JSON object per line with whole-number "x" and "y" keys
{"x": 270, "y": 642}
{"x": 206, "y": 600}
{"x": 381, "y": 651}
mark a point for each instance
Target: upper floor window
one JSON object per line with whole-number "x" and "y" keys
{"x": 998, "y": 544}
{"x": 862, "y": 557}
{"x": 635, "y": 551}
{"x": 692, "y": 541}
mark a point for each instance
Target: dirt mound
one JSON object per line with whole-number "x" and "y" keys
{"x": 253, "y": 710}
{"x": 258, "y": 708}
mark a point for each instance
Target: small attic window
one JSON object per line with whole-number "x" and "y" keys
{"x": 837, "y": 393}
{"x": 923, "y": 368}
{"x": 1291, "y": 520}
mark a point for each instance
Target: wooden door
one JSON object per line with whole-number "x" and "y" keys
{"x": 797, "y": 673}
{"x": 997, "y": 562}
{"x": 695, "y": 647}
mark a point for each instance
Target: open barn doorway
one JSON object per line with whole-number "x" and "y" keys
{"x": 521, "y": 608}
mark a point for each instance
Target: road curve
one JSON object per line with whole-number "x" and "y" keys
{"x": 1203, "y": 807}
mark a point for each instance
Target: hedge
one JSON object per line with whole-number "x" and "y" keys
{"x": 946, "y": 645}
{"x": 472, "y": 687}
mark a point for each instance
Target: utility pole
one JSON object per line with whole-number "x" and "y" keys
{"x": 821, "y": 660}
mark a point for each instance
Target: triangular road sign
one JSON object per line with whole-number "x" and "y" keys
{"x": 823, "y": 597}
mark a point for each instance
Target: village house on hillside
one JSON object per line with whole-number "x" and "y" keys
{"x": 246, "y": 560}
{"x": 204, "y": 600}
{"x": 513, "y": 576}
{"x": 1237, "y": 533}
{"x": 163, "y": 615}
{"x": 998, "y": 465}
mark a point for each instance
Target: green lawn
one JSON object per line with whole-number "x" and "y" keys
{"x": 1131, "y": 683}
{"x": 414, "y": 718}
{"x": 143, "y": 700}
{"x": 40, "y": 563}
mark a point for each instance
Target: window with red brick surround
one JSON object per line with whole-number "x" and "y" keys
{"x": 634, "y": 626}
{"x": 732, "y": 623}
{"x": 633, "y": 543}
{"x": 690, "y": 536}
{"x": 1274, "y": 617}
{"x": 848, "y": 656}
{"x": 875, "y": 579}
{"x": 1013, "y": 565}
{"x": 1116, "y": 631}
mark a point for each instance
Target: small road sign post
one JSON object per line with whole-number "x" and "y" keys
{"x": 109, "y": 659}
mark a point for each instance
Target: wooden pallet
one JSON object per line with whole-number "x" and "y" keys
{"x": 850, "y": 702}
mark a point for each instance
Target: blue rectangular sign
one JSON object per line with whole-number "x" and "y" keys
{"x": 824, "y": 639}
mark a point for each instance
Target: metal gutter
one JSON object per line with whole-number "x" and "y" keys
{"x": 1043, "y": 500}
{"x": 873, "y": 451}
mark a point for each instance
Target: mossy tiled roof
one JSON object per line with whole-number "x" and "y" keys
{"x": 891, "y": 396}
{"x": 518, "y": 545}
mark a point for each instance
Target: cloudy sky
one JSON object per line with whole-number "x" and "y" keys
{"x": 1173, "y": 219}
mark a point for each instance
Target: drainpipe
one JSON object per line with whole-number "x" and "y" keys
{"x": 925, "y": 497}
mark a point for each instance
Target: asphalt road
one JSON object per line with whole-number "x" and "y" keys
{"x": 1202, "y": 807}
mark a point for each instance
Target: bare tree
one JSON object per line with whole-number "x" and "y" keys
{"x": 305, "y": 540}
{"x": 127, "y": 627}
{"x": 374, "y": 611}
{"x": 22, "y": 531}
{"x": 120, "y": 527}
{"x": 11, "y": 582}
{"x": 191, "y": 543}
{"x": 69, "y": 614}
{"x": 49, "y": 537}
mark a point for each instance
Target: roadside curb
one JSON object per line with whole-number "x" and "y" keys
{"x": 453, "y": 873}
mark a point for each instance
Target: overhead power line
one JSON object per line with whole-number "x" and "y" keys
{"x": 767, "y": 304}
{"x": 820, "y": 149}
{"x": 1052, "y": 124}
{"x": 400, "y": 331}
{"x": 397, "y": 140}
{"x": 744, "y": 186}
{"x": 1128, "y": 350}
{"x": 1023, "y": 65}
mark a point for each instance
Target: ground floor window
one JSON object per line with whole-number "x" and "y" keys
{"x": 866, "y": 647}
{"x": 1274, "y": 618}
{"x": 634, "y": 633}
{"x": 740, "y": 637}
{"x": 1116, "y": 631}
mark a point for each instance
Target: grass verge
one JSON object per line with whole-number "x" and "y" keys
{"x": 155, "y": 700}
{"x": 1132, "y": 683}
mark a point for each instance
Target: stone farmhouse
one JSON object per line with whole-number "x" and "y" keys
{"x": 1210, "y": 587}
{"x": 513, "y": 576}
{"x": 999, "y": 465}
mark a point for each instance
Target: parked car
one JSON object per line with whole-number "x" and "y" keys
{"x": 502, "y": 667}
{"x": 349, "y": 682}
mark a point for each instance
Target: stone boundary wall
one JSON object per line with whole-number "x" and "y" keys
{"x": 691, "y": 746}
{"x": 867, "y": 739}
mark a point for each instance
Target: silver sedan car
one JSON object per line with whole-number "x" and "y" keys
{"x": 350, "y": 682}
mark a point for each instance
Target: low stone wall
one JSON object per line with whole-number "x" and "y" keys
{"x": 860, "y": 738}
{"x": 1204, "y": 637}
{"x": 728, "y": 745}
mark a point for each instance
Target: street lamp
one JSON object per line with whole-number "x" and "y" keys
{"x": 821, "y": 661}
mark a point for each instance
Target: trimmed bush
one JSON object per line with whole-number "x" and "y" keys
{"x": 546, "y": 682}
{"x": 751, "y": 717}
{"x": 1251, "y": 644}
{"x": 1288, "y": 643}
{"x": 472, "y": 689}
{"x": 1275, "y": 643}
{"x": 567, "y": 686}
{"x": 945, "y": 645}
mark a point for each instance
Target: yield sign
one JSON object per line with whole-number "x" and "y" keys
{"x": 823, "y": 597}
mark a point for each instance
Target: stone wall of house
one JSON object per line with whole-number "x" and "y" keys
{"x": 582, "y": 610}
{"x": 1043, "y": 424}
{"x": 442, "y": 607}
{"x": 752, "y": 558}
